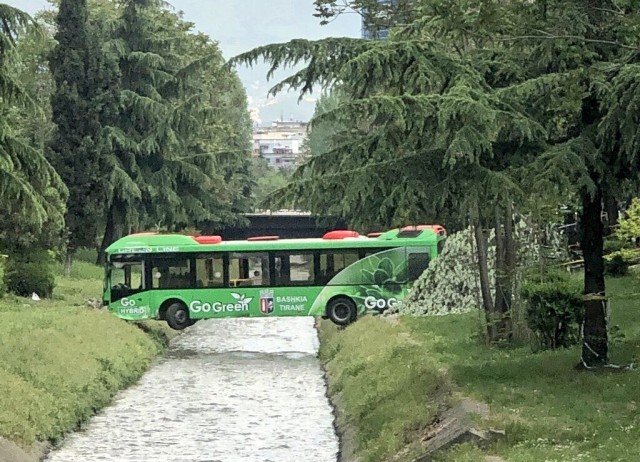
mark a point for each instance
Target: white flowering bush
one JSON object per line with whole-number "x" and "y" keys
{"x": 451, "y": 283}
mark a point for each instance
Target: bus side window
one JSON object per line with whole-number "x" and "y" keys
{"x": 294, "y": 269}
{"x": 248, "y": 269}
{"x": 171, "y": 273}
{"x": 209, "y": 271}
{"x": 416, "y": 264}
{"x": 332, "y": 262}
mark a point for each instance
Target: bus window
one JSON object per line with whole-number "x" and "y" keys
{"x": 209, "y": 271}
{"x": 417, "y": 262}
{"x": 332, "y": 262}
{"x": 293, "y": 269}
{"x": 125, "y": 278}
{"x": 171, "y": 273}
{"x": 248, "y": 269}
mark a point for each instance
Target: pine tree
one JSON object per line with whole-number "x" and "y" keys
{"x": 177, "y": 156}
{"x": 78, "y": 111}
{"x": 31, "y": 193}
{"x": 477, "y": 108}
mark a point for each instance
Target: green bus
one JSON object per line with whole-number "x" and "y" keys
{"x": 182, "y": 279}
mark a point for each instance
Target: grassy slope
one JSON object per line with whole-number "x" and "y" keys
{"x": 60, "y": 361}
{"x": 380, "y": 378}
{"x": 551, "y": 411}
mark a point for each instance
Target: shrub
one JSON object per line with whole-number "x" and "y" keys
{"x": 614, "y": 245}
{"x": 554, "y": 308}
{"x": 25, "y": 277}
{"x": 616, "y": 265}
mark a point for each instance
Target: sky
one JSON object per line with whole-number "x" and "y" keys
{"x": 240, "y": 25}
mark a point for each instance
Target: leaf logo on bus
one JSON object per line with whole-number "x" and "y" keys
{"x": 241, "y": 298}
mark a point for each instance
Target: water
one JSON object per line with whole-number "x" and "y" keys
{"x": 228, "y": 390}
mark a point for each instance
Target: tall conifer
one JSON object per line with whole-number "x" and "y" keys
{"x": 78, "y": 112}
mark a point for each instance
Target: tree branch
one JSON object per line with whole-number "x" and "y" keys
{"x": 548, "y": 36}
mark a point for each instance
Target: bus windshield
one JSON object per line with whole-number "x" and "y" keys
{"x": 125, "y": 278}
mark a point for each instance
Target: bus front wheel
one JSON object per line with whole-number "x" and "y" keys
{"x": 177, "y": 316}
{"x": 342, "y": 311}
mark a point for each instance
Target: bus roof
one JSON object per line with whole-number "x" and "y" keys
{"x": 422, "y": 235}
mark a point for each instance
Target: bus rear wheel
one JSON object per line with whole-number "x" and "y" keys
{"x": 177, "y": 316}
{"x": 342, "y": 311}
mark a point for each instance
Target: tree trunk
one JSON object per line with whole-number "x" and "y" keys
{"x": 500, "y": 304}
{"x": 485, "y": 289}
{"x": 504, "y": 265}
{"x": 594, "y": 325}
{"x": 68, "y": 261}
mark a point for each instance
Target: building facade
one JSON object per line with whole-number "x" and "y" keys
{"x": 369, "y": 32}
{"x": 282, "y": 144}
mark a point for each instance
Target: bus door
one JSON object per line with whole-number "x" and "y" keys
{"x": 125, "y": 278}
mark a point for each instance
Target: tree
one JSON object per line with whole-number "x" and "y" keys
{"x": 414, "y": 111}
{"x": 321, "y": 134}
{"x": 267, "y": 181}
{"x": 477, "y": 108}
{"x": 31, "y": 192}
{"x": 79, "y": 104}
{"x": 177, "y": 158}
{"x": 377, "y": 16}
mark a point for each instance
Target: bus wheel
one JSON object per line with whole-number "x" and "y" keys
{"x": 342, "y": 311}
{"x": 178, "y": 316}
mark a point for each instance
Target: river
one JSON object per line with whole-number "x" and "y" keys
{"x": 227, "y": 390}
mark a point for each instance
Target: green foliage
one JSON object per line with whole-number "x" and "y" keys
{"x": 629, "y": 224}
{"x": 267, "y": 181}
{"x": 616, "y": 265}
{"x": 554, "y": 309}
{"x": 24, "y": 276}
{"x": 89, "y": 356}
{"x": 549, "y": 410}
{"x": 31, "y": 192}
{"x": 3, "y": 287}
{"x": 180, "y": 140}
{"x": 322, "y": 132}
{"x": 82, "y": 104}
{"x": 612, "y": 245}
{"x": 474, "y": 106}
{"x": 387, "y": 390}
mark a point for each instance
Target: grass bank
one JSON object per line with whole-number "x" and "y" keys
{"x": 384, "y": 378}
{"x": 61, "y": 361}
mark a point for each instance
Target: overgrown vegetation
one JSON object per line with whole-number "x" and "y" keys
{"x": 62, "y": 361}
{"x": 553, "y": 308}
{"x": 389, "y": 390}
{"x": 550, "y": 410}
{"x": 29, "y": 273}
